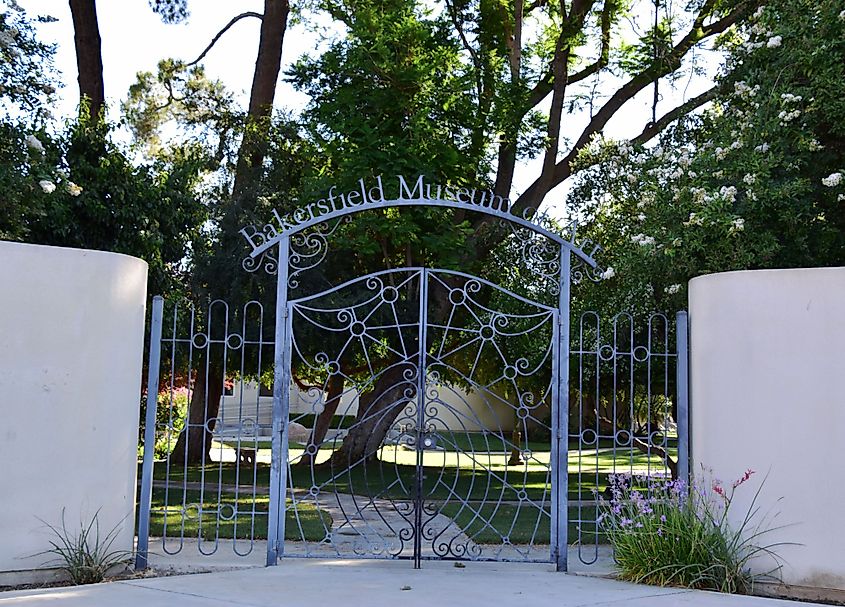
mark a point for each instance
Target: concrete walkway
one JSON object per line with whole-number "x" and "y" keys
{"x": 301, "y": 582}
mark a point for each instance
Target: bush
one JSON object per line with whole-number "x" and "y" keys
{"x": 85, "y": 556}
{"x": 171, "y": 413}
{"x": 667, "y": 535}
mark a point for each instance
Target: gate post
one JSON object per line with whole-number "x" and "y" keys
{"x": 421, "y": 388}
{"x": 153, "y": 370}
{"x": 281, "y": 407}
{"x": 682, "y": 388}
{"x": 560, "y": 488}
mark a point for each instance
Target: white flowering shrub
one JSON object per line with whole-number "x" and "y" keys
{"x": 754, "y": 181}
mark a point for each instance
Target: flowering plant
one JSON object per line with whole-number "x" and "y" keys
{"x": 668, "y": 534}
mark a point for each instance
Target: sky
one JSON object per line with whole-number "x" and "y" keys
{"x": 134, "y": 39}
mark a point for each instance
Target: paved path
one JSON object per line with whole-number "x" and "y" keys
{"x": 298, "y": 582}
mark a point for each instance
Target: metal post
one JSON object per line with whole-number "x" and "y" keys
{"x": 560, "y": 488}
{"x": 421, "y": 387}
{"x": 281, "y": 407}
{"x": 682, "y": 382}
{"x": 145, "y": 503}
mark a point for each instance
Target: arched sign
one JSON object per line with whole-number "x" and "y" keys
{"x": 366, "y": 197}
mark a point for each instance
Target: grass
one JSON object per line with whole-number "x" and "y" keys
{"x": 490, "y": 523}
{"x": 469, "y": 468}
{"x": 242, "y": 518}
{"x": 446, "y": 473}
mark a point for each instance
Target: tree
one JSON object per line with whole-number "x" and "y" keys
{"x": 217, "y": 263}
{"x": 456, "y": 93}
{"x": 754, "y": 181}
{"x": 89, "y": 59}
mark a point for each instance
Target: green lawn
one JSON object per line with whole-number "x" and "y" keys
{"x": 241, "y": 518}
{"x": 449, "y": 473}
{"x": 470, "y": 468}
{"x": 490, "y": 523}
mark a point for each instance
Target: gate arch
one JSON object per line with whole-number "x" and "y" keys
{"x": 292, "y": 244}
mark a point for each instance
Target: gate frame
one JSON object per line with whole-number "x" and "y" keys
{"x": 563, "y": 269}
{"x": 265, "y": 240}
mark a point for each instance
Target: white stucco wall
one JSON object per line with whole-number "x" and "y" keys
{"x": 767, "y": 369}
{"x": 71, "y": 348}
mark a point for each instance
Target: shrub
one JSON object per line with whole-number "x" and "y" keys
{"x": 85, "y": 556}
{"x": 667, "y": 534}
{"x": 171, "y": 413}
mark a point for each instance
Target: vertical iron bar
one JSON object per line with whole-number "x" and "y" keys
{"x": 682, "y": 387}
{"x": 560, "y": 474}
{"x": 141, "y": 561}
{"x": 281, "y": 405}
{"x": 421, "y": 386}
{"x": 555, "y": 444}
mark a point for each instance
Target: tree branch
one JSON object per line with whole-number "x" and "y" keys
{"x": 698, "y": 32}
{"x": 221, "y": 32}
{"x": 654, "y": 128}
{"x": 544, "y": 85}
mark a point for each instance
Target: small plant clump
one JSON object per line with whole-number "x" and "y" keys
{"x": 668, "y": 534}
{"x": 85, "y": 556}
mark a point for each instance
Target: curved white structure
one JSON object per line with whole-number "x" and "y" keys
{"x": 71, "y": 349}
{"x": 767, "y": 368}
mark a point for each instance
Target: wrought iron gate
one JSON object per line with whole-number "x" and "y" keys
{"x": 416, "y": 413}
{"x": 446, "y": 379}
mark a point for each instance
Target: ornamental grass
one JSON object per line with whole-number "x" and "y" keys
{"x": 668, "y": 534}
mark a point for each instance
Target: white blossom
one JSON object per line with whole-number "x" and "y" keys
{"x": 48, "y": 186}
{"x": 763, "y": 147}
{"x": 632, "y": 179}
{"x": 677, "y": 242}
{"x": 608, "y": 273}
{"x": 738, "y": 224}
{"x": 694, "y": 220}
{"x": 720, "y": 153}
{"x": 786, "y": 117}
{"x": 759, "y": 12}
{"x": 34, "y": 144}
{"x": 774, "y": 42}
{"x": 842, "y": 16}
{"x": 728, "y": 193}
{"x": 749, "y": 179}
{"x": 642, "y": 240}
{"x": 736, "y": 144}
{"x": 790, "y": 98}
{"x": 672, "y": 289}
{"x": 73, "y": 189}
{"x": 832, "y": 180}
{"x": 641, "y": 217}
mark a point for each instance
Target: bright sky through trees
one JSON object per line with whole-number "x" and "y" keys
{"x": 134, "y": 39}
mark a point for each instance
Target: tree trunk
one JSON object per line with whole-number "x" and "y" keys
{"x": 334, "y": 390}
{"x": 89, "y": 60}
{"x": 393, "y": 391}
{"x": 516, "y": 450}
{"x": 197, "y": 433}
{"x": 263, "y": 92}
